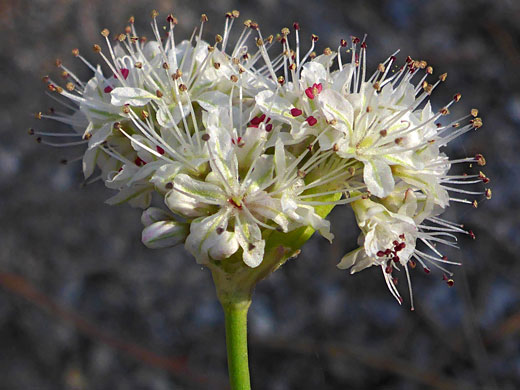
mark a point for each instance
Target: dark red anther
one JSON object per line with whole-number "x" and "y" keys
{"x": 396, "y": 259}
{"x": 311, "y": 120}
{"x": 313, "y": 91}
{"x": 388, "y": 252}
{"x": 355, "y": 40}
{"x": 159, "y": 150}
{"x": 450, "y": 282}
{"x": 343, "y": 43}
{"x": 125, "y": 72}
{"x": 401, "y": 236}
{"x": 426, "y": 270}
{"x": 296, "y": 25}
{"x": 392, "y": 58}
{"x": 309, "y": 93}
{"x": 409, "y": 59}
{"x": 444, "y": 258}
{"x": 380, "y": 253}
{"x": 108, "y": 89}
{"x": 364, "y": 45}
{"x": 296, "y": 112}
{"x": 444, "y": 277}
{"x": 388, "y": 269}
{"x": 269, "y": 127}
{"x": 238, "y": 142}
{"x": 471, "y": 234}
{"x": 395, "y": 243}
{"x": 257, "y": 120}
{"x": 139, "y": 162}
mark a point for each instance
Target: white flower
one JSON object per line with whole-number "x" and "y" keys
{"x": 242, "y": 194}
{"x": 238, "y": 143}
{"x": 391, "y": 230}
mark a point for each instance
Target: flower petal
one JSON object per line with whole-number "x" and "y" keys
{"x": 357, "y": 259}
{"x": 204, "y": 235}
{"x": 249, "y": 237}
{"x": 201, "y": 191}
{"x": 378, "y": 177}
{"x": 336, "y": 107}
{"x": 132, "y": 96}
{"x": 100, "y": 135}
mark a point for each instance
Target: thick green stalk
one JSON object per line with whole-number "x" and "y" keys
{"x": 236, "y": 342}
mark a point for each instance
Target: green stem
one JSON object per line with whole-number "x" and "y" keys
{"x": 236, "y": 342}
{"x": 235, "y": 282}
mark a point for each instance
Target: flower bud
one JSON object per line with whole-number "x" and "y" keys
{"x": 164, "y": 234}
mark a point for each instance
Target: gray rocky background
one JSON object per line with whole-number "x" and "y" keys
{"x": 83, "y": 305}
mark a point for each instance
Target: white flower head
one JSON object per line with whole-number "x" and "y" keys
{"x": 238, "y": 143}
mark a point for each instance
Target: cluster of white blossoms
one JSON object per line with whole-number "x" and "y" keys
{"x": 238, "y": 142}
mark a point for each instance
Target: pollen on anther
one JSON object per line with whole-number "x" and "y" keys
{"x": 480, "y": 159}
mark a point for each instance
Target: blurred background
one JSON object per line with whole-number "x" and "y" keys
{"x": 84, "y": 305}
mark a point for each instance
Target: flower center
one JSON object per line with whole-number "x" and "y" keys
{"x": 391, "y": 254}
{"x": 236, "y": 202}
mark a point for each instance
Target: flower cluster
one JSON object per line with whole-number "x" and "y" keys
{"x": 239, "y": 142}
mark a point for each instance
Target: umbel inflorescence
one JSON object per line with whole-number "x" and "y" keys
{"x": 244, "y": 137}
